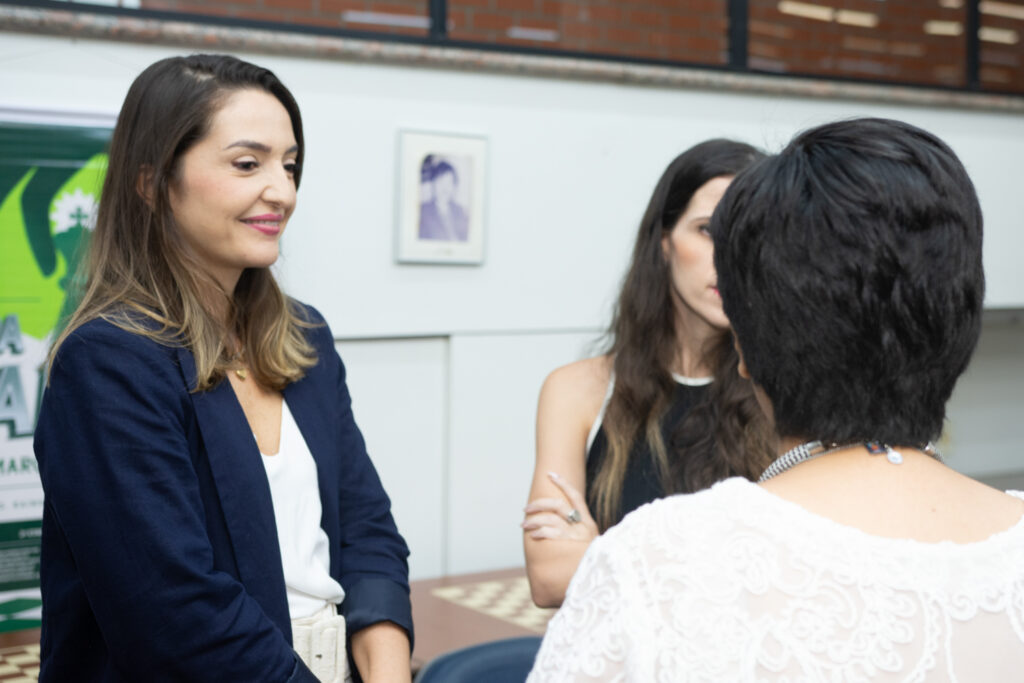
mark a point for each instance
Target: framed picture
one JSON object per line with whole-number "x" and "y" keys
{"x": 441, "y": 198}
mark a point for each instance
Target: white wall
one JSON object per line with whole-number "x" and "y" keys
{"x": 571, "y": 167}
{"x": 495, "y": 382}
{"x": 984, "y": 433}
{"x": 400, "y": 401}
{"x": 445, "y": 362}
{"x": 449, "y": 423}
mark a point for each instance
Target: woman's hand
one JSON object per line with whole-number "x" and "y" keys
{"x": 562, "y": 518}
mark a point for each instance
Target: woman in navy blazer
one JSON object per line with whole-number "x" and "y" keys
{"x": 161, "y": 554}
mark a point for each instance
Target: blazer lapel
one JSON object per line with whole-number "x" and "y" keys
{"x": 244, "y": 493}
{"x": 312, "y": 408}
{"x": 308, "y": 410}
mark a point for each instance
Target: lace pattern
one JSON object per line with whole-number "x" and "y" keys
{"x": 735, "y": 584}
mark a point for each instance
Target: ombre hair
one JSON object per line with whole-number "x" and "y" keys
{"x": 141, "y": 275}
{"x": 726, "y": 434}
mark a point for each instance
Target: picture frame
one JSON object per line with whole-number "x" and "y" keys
{"x": 441, "y": 198}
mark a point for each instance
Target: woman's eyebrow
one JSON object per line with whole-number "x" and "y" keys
{"x": 259, "y": 146}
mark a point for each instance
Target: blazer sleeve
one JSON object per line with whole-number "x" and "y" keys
{"x": 373, "y": 560}
{"x": 116, "y": 465}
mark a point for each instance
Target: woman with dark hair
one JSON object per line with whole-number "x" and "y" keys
{"x": 850, "y": 267}
{"x": 663, "y": 411}
{"x": 209, "y": 499}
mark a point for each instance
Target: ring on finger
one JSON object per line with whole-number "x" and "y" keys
{"x": 574, "y": 516}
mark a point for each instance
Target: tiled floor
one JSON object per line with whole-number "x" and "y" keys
{"x": 505, "y": 599}
{"x": 19, "y": 664}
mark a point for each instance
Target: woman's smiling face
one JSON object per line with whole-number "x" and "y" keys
{"x": 234, "y": 189}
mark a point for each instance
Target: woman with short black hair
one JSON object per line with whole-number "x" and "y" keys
{"x": 850, "y": 267}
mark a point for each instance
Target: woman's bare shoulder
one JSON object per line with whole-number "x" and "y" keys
{"x": 581, "y": 384}
{"x": 582, "y": 377}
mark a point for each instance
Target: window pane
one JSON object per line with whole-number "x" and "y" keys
{"x": 910, "y": 41}
{"x": 695, "y": 32}
{"x": 1002, "y": 49}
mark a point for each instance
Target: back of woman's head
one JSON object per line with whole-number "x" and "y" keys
{"x": 850, "y": 268}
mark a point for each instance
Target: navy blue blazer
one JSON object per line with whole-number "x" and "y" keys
{"x": 160, "y": 558}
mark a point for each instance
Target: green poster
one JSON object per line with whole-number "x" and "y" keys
{"x": 50, "y": 180}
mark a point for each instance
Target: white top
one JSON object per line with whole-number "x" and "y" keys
{"x": 679, "y": 379}
{"x": 736, "y": 584}
{"x": 305, "y": 553}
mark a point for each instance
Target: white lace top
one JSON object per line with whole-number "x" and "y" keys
{"x": 736, "y": 584}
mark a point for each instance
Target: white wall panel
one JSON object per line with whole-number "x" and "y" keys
{"x": 399, "y": 397}
{"x": 495, "y": 382}
{"x": 986, "y": 414}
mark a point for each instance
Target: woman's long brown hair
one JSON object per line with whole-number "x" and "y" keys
{"x": 725, "y": 435}
{"x": 139, "y": 273}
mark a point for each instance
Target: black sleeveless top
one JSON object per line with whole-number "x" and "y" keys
{"x": 641, "y": 483}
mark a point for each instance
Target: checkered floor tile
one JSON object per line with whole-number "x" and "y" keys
{"x": 19, "y": 664}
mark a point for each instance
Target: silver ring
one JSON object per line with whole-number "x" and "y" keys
{"x": 574, "y": 516}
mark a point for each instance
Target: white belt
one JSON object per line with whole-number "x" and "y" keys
{"x": 319, "y": 640}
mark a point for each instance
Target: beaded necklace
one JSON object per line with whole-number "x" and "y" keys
{"x": 816, "y": 449}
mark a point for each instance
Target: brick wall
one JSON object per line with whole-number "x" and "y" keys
{"x": 861, "y": 39}
{"x": 909, "y": 41}
{"x": 1002, "y": 45}
{"x": 686, "y": 31}
{"x": 407, "y": 17}
{"x": 695, "y": 31}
